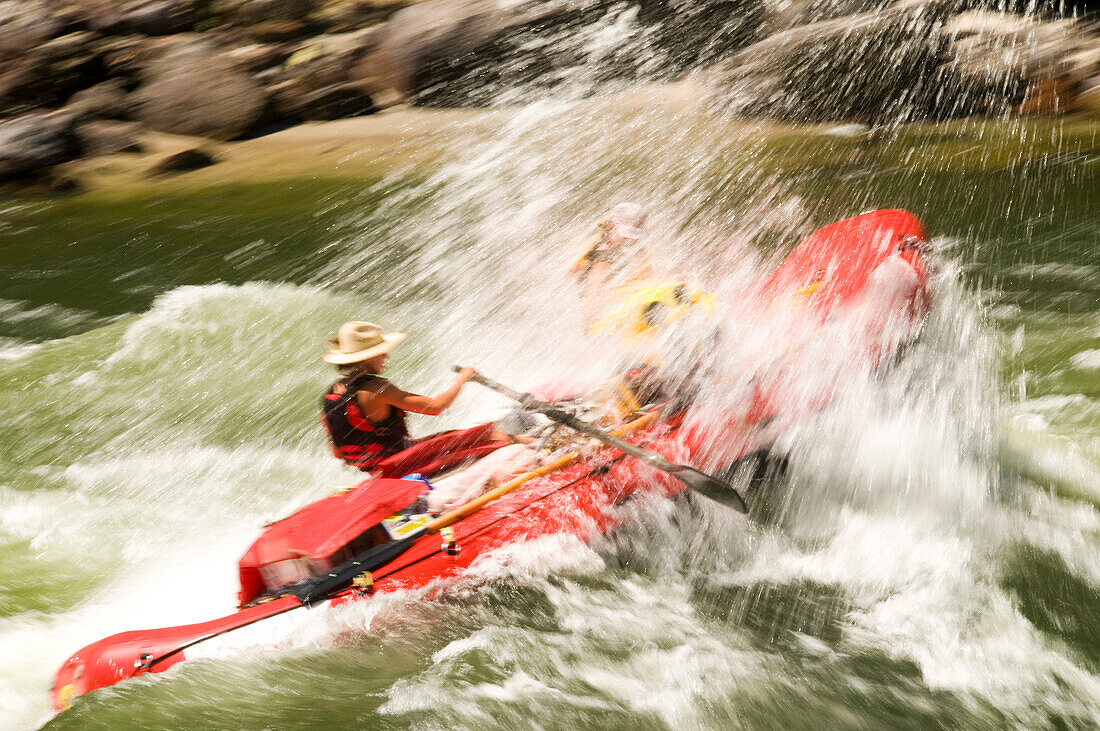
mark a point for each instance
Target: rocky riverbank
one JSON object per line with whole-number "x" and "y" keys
{"x": 154, "y": 87}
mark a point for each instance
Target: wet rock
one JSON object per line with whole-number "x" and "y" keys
{"x": 107, "y": 100}
{"x": 194, "y": 89}
{"x": 475, "y": 52}
{"x": 1088, "y": 94}
{"x": 294, "y": 103}
{"x": 872, "y": 67}
{"x": 1035, "y": 65}
{"x": 182, "y": 162}
{"x": 25, "y": 24}
{"x": 105, "y": 137}
{"x": 1048, "y": 97}
{"x": 454, "y": 52}
{"x": 35, "y": 142}
{"x": 686, "y": 34}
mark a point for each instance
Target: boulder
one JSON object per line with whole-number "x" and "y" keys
{"x": 293, "y": 102}
{"x": 49, "y": 73}
{"x": 872, "y": 67}
{"x": 342, "y": 16}
{"x": 142, "y": 17}
{"x": 276, "y": 31}
{"x": 35, "y": 142}
{"x": 326, "y": 60}
{"x": 686, "y": 34}
{"x": 1020, "y": 60}
{"x": 107, "y": 100}
{"x": 255, "y": 57}
{"x": 105, "y": 137}
{"x": 458, "y": 52}
{"x": 182, "y": 162}
{"x": 474, "y": 52}
{"x": 194, "y": 89}
{"x": 257, "y": 11}
{"x": 25, "y": 24}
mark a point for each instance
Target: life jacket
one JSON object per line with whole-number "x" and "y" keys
{"x": 356, "y": 439}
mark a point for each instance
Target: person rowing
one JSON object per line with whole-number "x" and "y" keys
{"x": 614, "y": 256}
{"x": 364, "y": 413}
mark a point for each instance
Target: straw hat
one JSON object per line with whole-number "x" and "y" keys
{"x": 358, "y": 341}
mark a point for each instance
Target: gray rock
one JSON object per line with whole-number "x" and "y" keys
{"x": 105, "y": 137}
{"x": 35, "y": 142}
{"x": 194, "y": 89}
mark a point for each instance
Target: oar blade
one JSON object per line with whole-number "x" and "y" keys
{"x": 711, "y": 487}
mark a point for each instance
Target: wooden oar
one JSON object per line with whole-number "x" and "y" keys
{"x": 701, "y": 482}
{"x": 325, "y": 585}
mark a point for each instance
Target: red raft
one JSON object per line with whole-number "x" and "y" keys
{"x": 372, "y": 539}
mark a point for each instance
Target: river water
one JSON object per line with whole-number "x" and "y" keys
{"x": 931, "y": 559}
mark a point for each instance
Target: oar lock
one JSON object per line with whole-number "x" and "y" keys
{"x": 450, "y": 543}
{"x": 364, "y": 582}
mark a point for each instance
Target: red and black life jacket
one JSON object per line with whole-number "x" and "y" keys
{"x": 356, "y": 439}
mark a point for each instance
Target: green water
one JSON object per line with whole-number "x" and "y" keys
{"x": 159, "y": 380}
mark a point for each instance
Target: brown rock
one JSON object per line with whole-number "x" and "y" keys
{"x": 49, "y": 73}
{"x": 326, "y": 60}
{"x": 182, "y": 162}
{"x": 144, "y": 17}
{"x": 106, "y": 100}
{"x": 107, "y": 137}
{"x": 25, "y": 24}
{"x": 293, "y": 102}
{"x": 257, "y": 11}
{"x": 194, "y": 89}
{"x": 276, "y": 31}
{"x": 341, "y": 16}
{"x": 255, "y": 57}
{"x": 1048, "y": 97}
{"x": 434, "y": 44}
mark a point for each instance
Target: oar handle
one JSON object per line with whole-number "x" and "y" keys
{"x": 564, "y": 417}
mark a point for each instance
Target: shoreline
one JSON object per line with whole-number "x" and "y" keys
{"x": 411, "y": 138}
